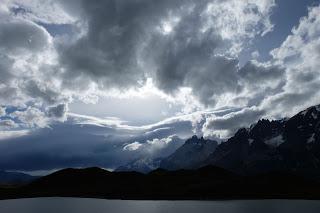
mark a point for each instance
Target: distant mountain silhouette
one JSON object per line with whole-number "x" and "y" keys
{"x": 13, "y": 178}
{"x": 205, "y": 183}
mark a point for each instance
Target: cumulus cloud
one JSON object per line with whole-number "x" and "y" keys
{"x": 155, "y": 147}
{"x": 280, "y": 88}
{"x": 43, "y": 92}
{"x": 31, "y": 117}
{"x": 177, "y": 43}
{"x": 7, "y": 124}
{"x": 26, "y": 68}
{"x": 299, "y": 54}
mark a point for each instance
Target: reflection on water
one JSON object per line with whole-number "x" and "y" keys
{"x": 81, "y": 205}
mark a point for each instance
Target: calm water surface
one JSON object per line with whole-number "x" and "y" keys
{"x": 83, "y": 205}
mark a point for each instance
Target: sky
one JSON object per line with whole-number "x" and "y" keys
{"x": 103, "y": 82}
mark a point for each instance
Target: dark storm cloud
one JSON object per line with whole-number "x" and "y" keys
{"x": 58, "y": 111}
{"x": 16, "y": 36}
{"x": 108, "y": 53}
{"x": 5, "y": 68}
{"x": 39, "y": 90}
{"x": 256, "y": 74}
{"x": 174, "y": 42}
{"x": 117, "y": 44}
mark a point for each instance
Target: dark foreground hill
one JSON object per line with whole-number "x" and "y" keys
{"x": 205, "y": 183}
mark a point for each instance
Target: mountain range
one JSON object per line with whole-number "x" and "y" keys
{"x": 291, "y": 144}
{"x": 282, "y": 145}
{"x": 269, "y": 159}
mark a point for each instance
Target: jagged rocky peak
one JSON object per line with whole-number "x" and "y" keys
{"x": 265, "y": 129}
{"x": 311, "y": 112}
{"x": 305, "y": 120}
{"x": 292, "y": 144}
{"x": 195, "y": 140}
{"x": 241, "y": 135}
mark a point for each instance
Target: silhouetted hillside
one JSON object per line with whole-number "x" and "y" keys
{"x": 205, "y": 183}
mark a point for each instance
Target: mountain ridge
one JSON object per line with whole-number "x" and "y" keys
{"x": 267, "y": 145}
{"x": 270, "y": 159}
{"x": 273, "y": 145}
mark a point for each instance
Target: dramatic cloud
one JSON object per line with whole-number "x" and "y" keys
{"x": 118, "y": 45}
{"x": 27, "y": 81}
{"x": 177, "y": 43}
{"x": 299, "y": 54}
{"x": 289, "y": 85}
{"x": 200, "y": 57}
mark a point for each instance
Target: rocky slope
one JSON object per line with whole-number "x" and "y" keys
{"x": 292, "y": 144}
{"x": 194, "y": 151}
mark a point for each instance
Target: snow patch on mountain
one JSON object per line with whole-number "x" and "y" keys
{"x": 275, "y": 141}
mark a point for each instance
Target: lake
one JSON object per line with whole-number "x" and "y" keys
{"x": 84, "y": 205}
